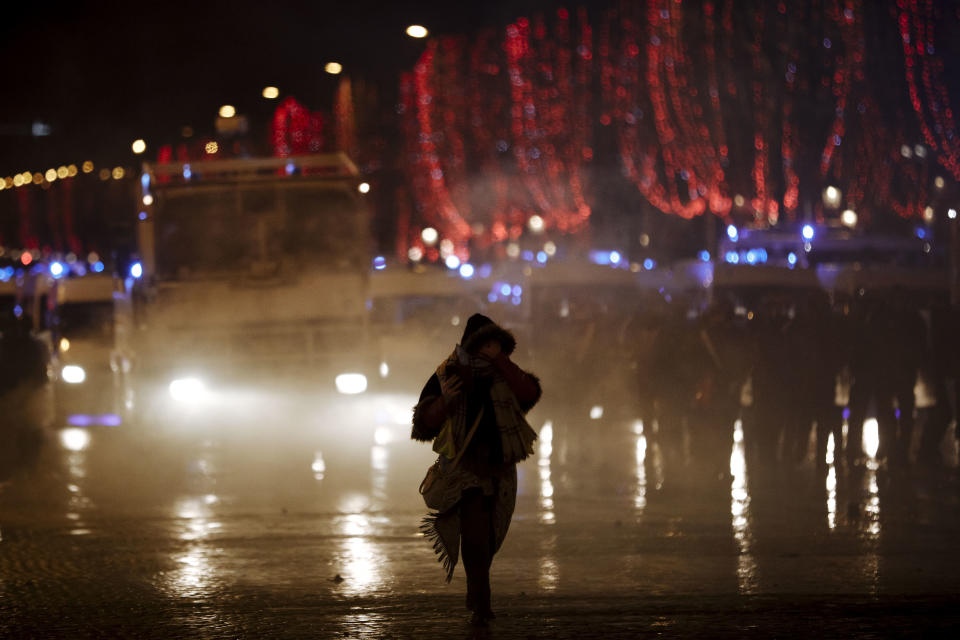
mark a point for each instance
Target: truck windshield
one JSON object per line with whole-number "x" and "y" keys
{"x": 87, "y": 320}
{"x": 233, "y": 229}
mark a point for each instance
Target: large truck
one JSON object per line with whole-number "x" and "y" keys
{"x": 252, "y": 274}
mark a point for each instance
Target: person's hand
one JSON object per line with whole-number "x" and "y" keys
{"x": 452, "y": 387}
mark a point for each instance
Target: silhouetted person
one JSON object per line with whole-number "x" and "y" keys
{"x": 478, "y": 381}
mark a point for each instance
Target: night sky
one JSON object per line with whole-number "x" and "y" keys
{"x": 102, "y": 74}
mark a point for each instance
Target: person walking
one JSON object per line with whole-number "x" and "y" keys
{"x": 472, "y": 409}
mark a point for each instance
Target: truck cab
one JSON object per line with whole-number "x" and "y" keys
{"x": 252, "y": 273}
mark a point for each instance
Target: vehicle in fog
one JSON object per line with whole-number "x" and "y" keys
{"x": 250, "y": 268}
{"x": 93, "y": 361}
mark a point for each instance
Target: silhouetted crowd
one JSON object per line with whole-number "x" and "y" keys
{"x": 794, "y": 367}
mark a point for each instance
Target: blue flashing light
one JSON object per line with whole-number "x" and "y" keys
{"x": 79, "y": 269}
{"x": 614, "y": 257}
{"x": 6, "y": 273}
{"x": 145, "y": 181}
{"x": 732, "y": 233}
{"x": 136, "y": 270}
{"x": 600, "y": 257}
{"x": 17, "y": 311}
{"x": 56, "y": 269}
{"x": 143, "y": 215}
{"x": 751, "y": 257}
{"x": 705, "y": 256}
{"x": 517, "y": 290}
{"x": 515, "y": 300}
{"x": 466, "y": 270}
{"x": 291, "y": 168}
{"x": 505, "y": 289}
{"x": 921, "y": 232}
{"x": 807, "y": 232}
{"x": 492, "y": 297}
{"x": 528, "y": 256}
{"x": 98, "y": 267}
{"x": 379, "y": 263}
{"x": 846, "y": 413}
{"x": 649, "y": 264}
{"x": 542, "y": 257}
{"x": 484, "y": 270}
{"x": 187, "y": 174}
{"x": 791, "y": 258}
{"x": 732, "y": 257}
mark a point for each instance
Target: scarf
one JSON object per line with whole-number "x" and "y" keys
{"x": 516, "y": 434}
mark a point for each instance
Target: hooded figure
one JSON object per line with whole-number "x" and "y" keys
{"x": 477, "y": 384}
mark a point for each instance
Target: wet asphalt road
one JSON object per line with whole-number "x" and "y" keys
{"x": 223, "y": 532}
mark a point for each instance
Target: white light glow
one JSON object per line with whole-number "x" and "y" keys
{"x": 417, "y": 31}
{"x": 363, "y": 187}
{"x": 452, "y": 262}
{"x": 333, "y": 68}
{"x": 227, "y": 111}
{"x": 383, "y": 436}
{"x": 148, "y": 200}
{"x": 871, "y": 437}
{"x": 952, "y": 214}
{"x": 270, "y": 93}
{"x": 138, "y": 146}
{"x": 351, "y": 383}
{"x": 74, "y": 374}
{"x": 928, "y": 214}
{"x": 849, "y": 218}
{"x": 429, "y": 236}
{"x": 535, "y": 224}
{"x": 75, "y": 439}
{"x": 384, "y": 369}
{"x": 596, "y": 412}
{"x": 831, "y": 196}
{"x": 188, "y": 390}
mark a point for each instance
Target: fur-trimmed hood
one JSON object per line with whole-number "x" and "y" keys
{"x": 480, "y": 329}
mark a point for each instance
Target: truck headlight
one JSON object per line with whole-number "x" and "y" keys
{"x": 74, "y": 374}
{"x": 188, "y": 390}
{"x": 351, "y": 383}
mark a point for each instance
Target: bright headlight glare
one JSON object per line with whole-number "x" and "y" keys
{"x": 73, "y": 374}
{"x": 189, "y": 390}
{"x": 351, "y": 383}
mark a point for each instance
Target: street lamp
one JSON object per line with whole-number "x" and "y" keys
{"x": 831, "y": 196}
{"x": 270, "y": 93}
{"x": 333, "y": 68}
{"x": 417, "y": 31}
{"x": 227, "y": 111}
{"x": 849, "y": 218}
{"x": 429, "y": 236}
{"x": 138, "y": 146}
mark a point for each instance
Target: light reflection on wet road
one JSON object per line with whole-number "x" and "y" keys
{"x": 186, "y": 534}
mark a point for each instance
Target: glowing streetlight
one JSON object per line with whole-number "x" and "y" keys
{"x": 535, "y": 223}
{"x": 952, "y": 214}
{"x": 831, "y": 196}
{"x": 429, "y": 236}
{"x": 849, "y": 218}
{"x": 417, "y": 31}
{"x": 211, "y": 148}
{"x": 333, "y": 68}
{"x": 270, "y": 93}
{"x": 363, "y": 187}
{"x": 227, "y": 111}
{"x": 138, "y": 146}
{"x": 928, "y": 214}
{"x": 938, "y": 182}
{"x": 50, "y": 175}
